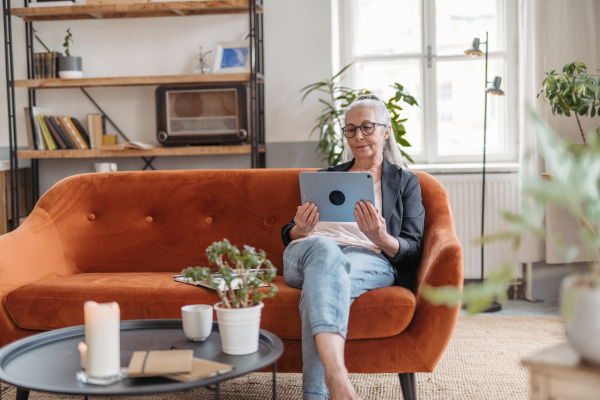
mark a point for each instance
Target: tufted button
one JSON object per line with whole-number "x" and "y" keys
{"x": 91, "y": 217}
{"x": 269, "y": 220}
{"x": 149, "y": 219}
{"x": 209, "y": 220}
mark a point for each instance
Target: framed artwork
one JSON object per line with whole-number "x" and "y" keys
{"x": 232, "y": 57}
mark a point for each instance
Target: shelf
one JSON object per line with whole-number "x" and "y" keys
{"x": 156, "y": 151}
{"x": 133, "y": 10}
{"x": 132, "y": 81}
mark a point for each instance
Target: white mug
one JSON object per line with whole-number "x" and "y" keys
{"x": 197, "y": 321}
{"x": 105, "y": 167}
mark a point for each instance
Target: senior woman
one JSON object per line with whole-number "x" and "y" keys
{"x": 335, "y": 262}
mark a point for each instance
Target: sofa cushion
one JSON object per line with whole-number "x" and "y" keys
{"x": 58, "y": 302}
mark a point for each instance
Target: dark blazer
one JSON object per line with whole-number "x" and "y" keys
{"x": 404, "y": 217}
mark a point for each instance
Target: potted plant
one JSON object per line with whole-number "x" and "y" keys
{"x": 572, "y": 92}
{"x": 331, "y": 120}
{"x": 69, "y": 66}
{"x": 575, "y": 187}
{"x": 240, "y": 275}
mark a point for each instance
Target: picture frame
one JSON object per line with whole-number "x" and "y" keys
{"x": 232, "y": 57}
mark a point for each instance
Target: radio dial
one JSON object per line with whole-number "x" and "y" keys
{"x": 162, "y": 136}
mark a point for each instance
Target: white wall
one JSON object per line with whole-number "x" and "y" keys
{"x": 297, "y": 38}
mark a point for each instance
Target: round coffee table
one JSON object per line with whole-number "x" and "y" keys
{"x": 49, "y": 361}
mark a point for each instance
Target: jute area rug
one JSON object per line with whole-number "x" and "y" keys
{"x": 482, "y": 362}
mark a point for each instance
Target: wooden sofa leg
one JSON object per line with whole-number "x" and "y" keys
{"x": 408, "y": 386}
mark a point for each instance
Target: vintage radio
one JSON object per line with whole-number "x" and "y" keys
{"x": 202, "y": 114}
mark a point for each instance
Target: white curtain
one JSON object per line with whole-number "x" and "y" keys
{"x": 552, "y": 33}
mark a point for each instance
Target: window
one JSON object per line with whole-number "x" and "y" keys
{"x": 421, "y": 44}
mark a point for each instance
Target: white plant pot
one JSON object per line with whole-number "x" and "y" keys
{"x": 239, "y": 329}
{"x": 70, "y": 67}
{"x": 580, "y": 311}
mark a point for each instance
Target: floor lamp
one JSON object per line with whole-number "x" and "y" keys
{"x": 493, "y": 88}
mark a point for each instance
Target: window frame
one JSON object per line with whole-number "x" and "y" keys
{"x": 428, "y": 74}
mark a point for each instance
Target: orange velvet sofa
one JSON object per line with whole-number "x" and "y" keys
{"x": 120, "y": 236}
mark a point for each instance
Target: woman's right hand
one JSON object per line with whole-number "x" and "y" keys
{"x": 306, "y": 220}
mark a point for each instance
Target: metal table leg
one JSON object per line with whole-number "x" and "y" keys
{"x": 274, "y": 381}
{"x": 22, "y": 394}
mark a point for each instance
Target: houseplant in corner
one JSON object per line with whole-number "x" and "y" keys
{"x": 240, "y": 275}
{"x": 337, "y": 98}
{"x": 573, "y": 91}
{"x": 69, "y": 66}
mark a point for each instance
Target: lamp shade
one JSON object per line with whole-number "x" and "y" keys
{"x": 474, "y": 49}
{"x": 494, "y": 88}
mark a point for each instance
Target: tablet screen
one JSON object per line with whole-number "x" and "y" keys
{"x": 336, "y": 193}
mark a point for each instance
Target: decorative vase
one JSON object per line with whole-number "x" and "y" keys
{"x": 239, "y": 328}
{"x": 580, "y": 311}
{"x": 70, "y": 67}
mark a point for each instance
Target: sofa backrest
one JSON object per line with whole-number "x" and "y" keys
{"x": 164, "y": 220}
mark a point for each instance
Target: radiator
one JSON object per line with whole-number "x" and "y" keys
{"x": 501, "y": 193}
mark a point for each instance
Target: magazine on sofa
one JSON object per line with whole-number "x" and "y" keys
{"x": 235, "y": 284}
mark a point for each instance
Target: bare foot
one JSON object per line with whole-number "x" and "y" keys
{"x": 340, "y": 388}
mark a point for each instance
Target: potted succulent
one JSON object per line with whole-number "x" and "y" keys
{"x": 240, "y": 275}
{"x": 331, "y": 120}
{"x": 572, "y": 92}
{"x": 69, "y": 66}
{"x": 575, "y": 187}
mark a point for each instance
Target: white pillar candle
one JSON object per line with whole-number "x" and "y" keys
{"x": 102, "y": 337}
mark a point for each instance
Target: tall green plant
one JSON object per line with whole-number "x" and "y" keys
{"x": 572, "y": 91}
{"x": 336, "y": 98}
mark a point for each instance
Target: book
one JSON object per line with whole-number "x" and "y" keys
{"x": 202, "y": 369}
{"x": 48, "y": 139}
{"x": 48, "y": 61}
{"x": 82, "y": 132}
{"x": 37, "y": 65}
{"x": 96, "y": 130}
{"x": 135, "y": 145}
{"x": 160, "y": 362}
{"x": 61, "y": 132}
{"x": 57, "y": 137}
{"x": 77, "y": 132}
{"x": 77, "y": 142}
{"x": 39, "y": 140}
{"x": 29, "y": 129}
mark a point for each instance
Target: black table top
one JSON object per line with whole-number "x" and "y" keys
{"x": 49, "y": 361}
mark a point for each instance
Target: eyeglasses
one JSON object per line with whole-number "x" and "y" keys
{"x": 367, "y": 128}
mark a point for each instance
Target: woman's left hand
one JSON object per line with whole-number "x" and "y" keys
{"x": 370, "y": 222}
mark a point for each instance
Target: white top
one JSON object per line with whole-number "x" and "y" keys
{"x": 347, "y": 233}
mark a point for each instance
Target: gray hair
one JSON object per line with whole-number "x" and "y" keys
{"x": 390, "y": 148}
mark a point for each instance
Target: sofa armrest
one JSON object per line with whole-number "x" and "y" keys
{"x": 29, "y": 253}
{"x": 432, "y": 326}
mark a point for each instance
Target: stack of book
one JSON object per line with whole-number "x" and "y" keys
{"x": 45, "y": 65}
{"x": 49, "y": 132}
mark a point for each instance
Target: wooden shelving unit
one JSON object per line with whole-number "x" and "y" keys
{"x": 255, "y": 80}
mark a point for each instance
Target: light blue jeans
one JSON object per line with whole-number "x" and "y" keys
{"x": 331, "y": 276}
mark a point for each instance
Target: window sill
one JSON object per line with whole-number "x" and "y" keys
{"x": 471, "y": 168}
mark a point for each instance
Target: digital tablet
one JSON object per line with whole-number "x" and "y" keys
{"x": 336, "y": 193}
